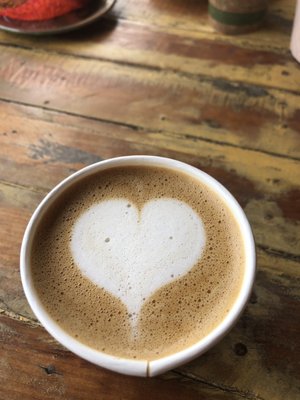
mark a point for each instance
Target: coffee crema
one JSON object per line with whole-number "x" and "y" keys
{"x": 138, "y": 262}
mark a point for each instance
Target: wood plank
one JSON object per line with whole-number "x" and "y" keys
{"x": 210, "y": 109}
{"x": 46, "y": 370}
{"x": 51, "y": 145}
{"x": 60, "y": 143}
{"x": 186, "y": 52}
{"x": 16, "y": 208}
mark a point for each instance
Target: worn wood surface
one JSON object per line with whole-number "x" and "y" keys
{"x": 154, "y": 78}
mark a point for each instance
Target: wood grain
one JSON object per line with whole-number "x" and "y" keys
{"x": 154, "y": 100}
{"x": 40, "y": 136}
{"x": 154, "y": 78}
{"x": 186, "y": 52}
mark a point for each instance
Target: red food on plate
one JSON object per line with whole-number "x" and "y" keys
{"x": 38, "y": 10}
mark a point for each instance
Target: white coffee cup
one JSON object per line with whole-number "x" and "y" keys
{"x": 295, "y": 40}
{"x": 122, "y": 365}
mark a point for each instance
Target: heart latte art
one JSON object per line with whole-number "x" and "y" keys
{"x": 131, "y": 252}
{"x": 138, "y": 261}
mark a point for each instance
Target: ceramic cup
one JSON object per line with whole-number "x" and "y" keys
{"x": 122, "y": 365}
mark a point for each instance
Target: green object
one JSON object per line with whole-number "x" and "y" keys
{"x": 233, "y": 18}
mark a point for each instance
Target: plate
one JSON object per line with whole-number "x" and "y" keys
{"x": 68, "y": 22}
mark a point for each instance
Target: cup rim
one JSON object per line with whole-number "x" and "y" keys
{"x": 119, "y": 364}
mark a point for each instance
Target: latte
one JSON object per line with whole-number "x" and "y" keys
{"x": 138, "y": 262}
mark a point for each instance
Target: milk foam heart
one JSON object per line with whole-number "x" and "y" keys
{"x": 131, "y": 253}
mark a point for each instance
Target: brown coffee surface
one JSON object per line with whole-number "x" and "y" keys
{"x": 178, "y": 314}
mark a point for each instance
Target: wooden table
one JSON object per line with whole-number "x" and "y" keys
{"x": 154, "y": 78}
